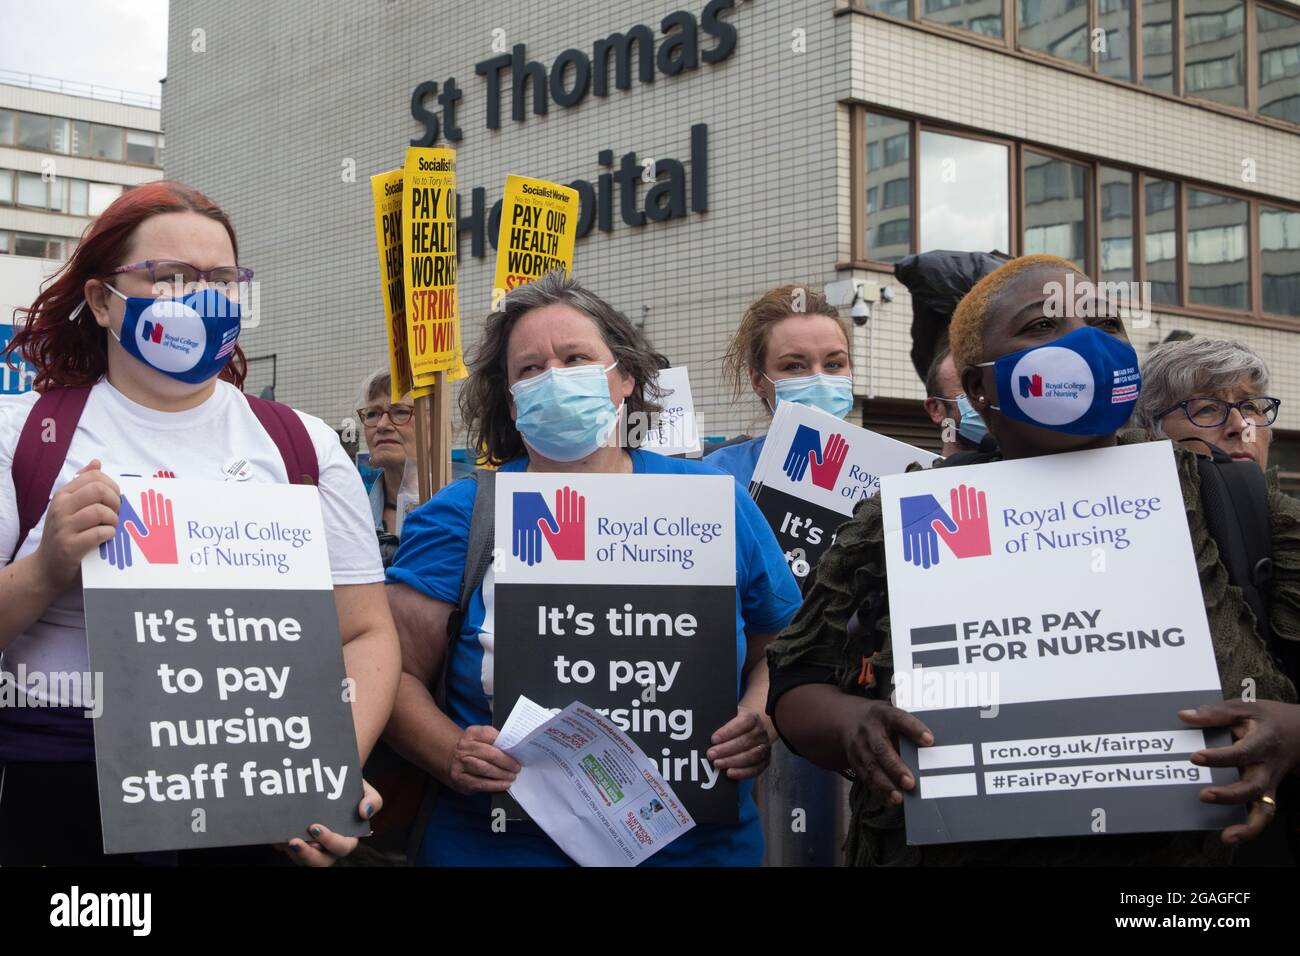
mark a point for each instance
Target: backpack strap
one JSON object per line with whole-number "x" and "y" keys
{"x": 1234, "y": 495}
{"x": 290, "y": 436}
{"x": 37, "y": 461}
{"x": 478, "y": 558}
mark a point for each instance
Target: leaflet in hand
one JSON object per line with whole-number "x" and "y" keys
{"x": 589, "y": 787}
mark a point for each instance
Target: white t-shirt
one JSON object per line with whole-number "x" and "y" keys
{"x": 200, "y": 443}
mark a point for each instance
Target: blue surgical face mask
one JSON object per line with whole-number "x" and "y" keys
{"x": 971, "y": 427}
{"x": 1084, "y": 383}
{"x": 189, "y": 338}
{"x": 565, "y": 413}
{"x": 831, "y": 393}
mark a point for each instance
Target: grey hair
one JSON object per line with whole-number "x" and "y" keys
{"x": 1175, "y": 371}
{"x": 378, "y": 382}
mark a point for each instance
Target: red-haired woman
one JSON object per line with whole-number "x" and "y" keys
{"x": 132, "y": 404}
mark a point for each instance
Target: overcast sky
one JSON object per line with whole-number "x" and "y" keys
{"x": 114, "y": 43}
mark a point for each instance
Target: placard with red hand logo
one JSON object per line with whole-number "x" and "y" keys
{"x": 1047, "y": 625}
{"x": 813, "y": 469}
{"x": 620, "y": 591}
{"x": 224, "y": 717}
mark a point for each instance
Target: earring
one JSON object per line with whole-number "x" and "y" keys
{"x": 77, "y": 311}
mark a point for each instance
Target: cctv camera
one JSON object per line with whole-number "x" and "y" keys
{"x": 861, "y": 312}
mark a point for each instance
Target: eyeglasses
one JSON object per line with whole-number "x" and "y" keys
{"x": 171, "y": 277}
{"x": 397, "y": 414}
{"x": 1213, "y": 412}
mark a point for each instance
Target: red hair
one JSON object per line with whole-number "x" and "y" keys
{"x": 73, "y": 353}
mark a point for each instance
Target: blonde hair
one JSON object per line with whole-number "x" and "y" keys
{"x": 748, "y": 347}
{"x": 966, "y": 331}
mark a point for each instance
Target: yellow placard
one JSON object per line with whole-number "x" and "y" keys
{"x": 429, "y": 257}
{"x": 539, "y": 223}
{"x": 387, "y": 191}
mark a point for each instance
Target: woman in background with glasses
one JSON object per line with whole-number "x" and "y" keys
{"x": 1200, "y": 390}
{"x": 389, "y": 431}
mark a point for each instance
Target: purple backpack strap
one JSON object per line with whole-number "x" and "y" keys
{"x": 37, "y": 461}
{"x": 290, "y": 436}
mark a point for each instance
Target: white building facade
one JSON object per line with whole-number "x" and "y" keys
{"x": 783, "y": 141}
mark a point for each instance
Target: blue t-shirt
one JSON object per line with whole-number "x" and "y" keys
{"x": 431, "y": 559}
{"x": 739, "y": 460}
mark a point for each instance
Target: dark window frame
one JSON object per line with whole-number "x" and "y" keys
{"x": 1010, "y": 43}
{"x": 1255, "y": 315}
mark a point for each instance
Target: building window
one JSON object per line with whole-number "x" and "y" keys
{"x": 6, "y": 127}
{"x": 37, "y": 247}
{"x": 34, "y": 131}
{"x": 60, "y": 140}
{"x": 963, "y": 196}
{"x": 141, "y": 147}
{"x": 97, "y": 140}
{"x": 100, "y": 196}
{"x": 1218, "y": 252}
{"x": 77, "y": 197}
{"x": 979, "y": 16}
{"x": 1058, "y": 27}
{"x": 1115, "y": 58}
{"x": 1055, "y": 207}
{"x": 1116, "y": 225}
{"x": 889, "y": 178}
{"x": 4, "y": 243}
{"x": 1279, "y": 253}
{"x": 1214, "y": 50}
{"x": 6, "y": 187}
{"x": 1279, "y": 64}
{"x": 1158, "y": 44}
{"x": 898, "y": 192}
{"x": 1160, "y": 243}
{"x": 32, "y": 190}
{"x": 895, "y": 8}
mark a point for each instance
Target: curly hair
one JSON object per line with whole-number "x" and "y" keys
{"x": 485, "y": 396}
{"x": 69, "y": 352}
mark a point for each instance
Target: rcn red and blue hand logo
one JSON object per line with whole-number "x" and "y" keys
{"x": 152, "y": 529}
{"x": 153, "y": 331}
{"x": 806, "y": 455}
{"x": 964, "y": 529}
{"x": 1031, "y": 385}
{"x": 565, "y": 529}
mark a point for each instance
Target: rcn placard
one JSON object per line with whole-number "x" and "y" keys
{"x": 225, "y": 716}
{"x": 620, "y": 591}
{"x": 814, "y": 468}
{"x": 1047, "y": 625}
{"x": 675, "y": 430}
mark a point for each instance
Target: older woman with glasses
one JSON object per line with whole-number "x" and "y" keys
{"x": 1208, "y": 391}
{"x": 389, "y": 430}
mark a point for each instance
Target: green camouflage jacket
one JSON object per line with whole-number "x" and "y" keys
{"x": 851, "y": 575}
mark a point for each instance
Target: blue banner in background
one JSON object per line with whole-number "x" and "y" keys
{"x": 16, "y": 379}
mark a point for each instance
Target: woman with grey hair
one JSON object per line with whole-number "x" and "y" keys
{"x": 1203, "y": 390}
{"x": 553, "y": 374}
{"x": 389, "y": 431}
